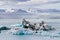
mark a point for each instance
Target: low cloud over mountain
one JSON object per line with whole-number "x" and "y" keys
{"x": 18, "y": 13}
{"x": 35, "y": 13}
{"x": 48, "y": 10}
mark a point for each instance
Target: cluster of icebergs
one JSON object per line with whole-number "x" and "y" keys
{"x": 19, "y": 30}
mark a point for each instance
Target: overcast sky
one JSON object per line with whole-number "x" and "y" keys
{"x": 44, "y": 4}
{"x": 26, "y": 4}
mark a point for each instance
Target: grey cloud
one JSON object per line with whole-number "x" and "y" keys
{"x": 50, "y": 2}
{"x": 16, "y": 0}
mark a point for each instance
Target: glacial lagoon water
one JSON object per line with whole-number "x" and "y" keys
{"x": 50, "y": 35}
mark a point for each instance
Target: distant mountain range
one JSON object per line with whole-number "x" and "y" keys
{"x": 19, "y": 13}
{"x": 38, "y": 10}
{"x": 48, "y": 10}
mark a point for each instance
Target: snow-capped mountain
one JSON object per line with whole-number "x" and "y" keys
{"x": 48, "y": 10}
{"x": 18, "y": 13}
{"x": 28, "y": 13}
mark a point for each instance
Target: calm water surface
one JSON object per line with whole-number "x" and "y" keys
{"x": 4, "y": 35}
